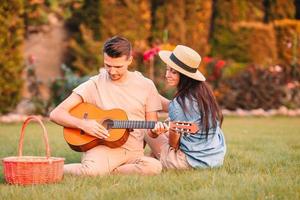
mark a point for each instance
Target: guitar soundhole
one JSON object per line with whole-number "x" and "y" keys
{"x": 108, "y": 124}
{"x": 85, "y": 116}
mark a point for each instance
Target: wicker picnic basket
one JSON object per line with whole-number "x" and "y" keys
{"x": 28, "y": 170}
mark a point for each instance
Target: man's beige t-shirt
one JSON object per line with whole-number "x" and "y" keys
{"x": 136, "y": 96}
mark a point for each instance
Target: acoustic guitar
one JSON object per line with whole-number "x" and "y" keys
{"x": 117, "y": 124}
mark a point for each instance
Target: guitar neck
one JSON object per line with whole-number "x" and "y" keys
{"x": 132, "y": 124}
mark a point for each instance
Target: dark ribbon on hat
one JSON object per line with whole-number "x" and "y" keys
{"x": 182, "y": 65}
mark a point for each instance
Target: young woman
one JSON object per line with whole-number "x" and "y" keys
{"x": 194, "y": 102}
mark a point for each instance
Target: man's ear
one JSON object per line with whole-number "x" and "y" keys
{"x": 130, "y": 60}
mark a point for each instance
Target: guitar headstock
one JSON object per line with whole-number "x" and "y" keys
{"x": 184, "y": 127}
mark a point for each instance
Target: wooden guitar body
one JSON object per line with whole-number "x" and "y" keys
{"x": 80, "y": 141}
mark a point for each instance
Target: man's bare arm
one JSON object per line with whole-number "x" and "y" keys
{"x": 61, "y": 116}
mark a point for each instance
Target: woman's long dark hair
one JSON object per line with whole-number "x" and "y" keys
{"x": 202, "y": 93}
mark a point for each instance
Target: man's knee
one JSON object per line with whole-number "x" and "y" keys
{"x": 151, "y": 166}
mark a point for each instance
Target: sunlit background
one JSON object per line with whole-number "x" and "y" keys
{"x": 250, "y": 49}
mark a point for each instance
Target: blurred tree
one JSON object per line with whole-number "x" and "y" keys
{"x": 11, "y": 59}
{"x": 255, "y": 32}
{"x": 86, "y": 12}
{"x": 36, "y": 12}
{"x": 230, "y": 41}
{"x": 157, "y": 21}
{"x": 281, "y": 9}
{"x": 297, "y": 5}
{"x": 131, "y": 19}
{"x": 87, "y": 53}
{"x": 84, "y": 56}
{"x": 184, "y": 22}
{"x": 197, "y": 20}
{"x": 108, "y": 19}
{"x": 175, "y": 21}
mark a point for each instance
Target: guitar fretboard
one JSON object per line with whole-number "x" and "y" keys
{"x": 132, "y": 124}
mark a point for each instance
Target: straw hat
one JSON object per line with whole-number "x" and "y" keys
{"x": 184, "y": 60}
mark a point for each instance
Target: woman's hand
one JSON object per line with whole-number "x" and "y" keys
{"x": 93, "y": 128}
{"x": 160, "y": 128}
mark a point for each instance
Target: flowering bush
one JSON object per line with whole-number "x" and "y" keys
{"x": 256, "y": 87}
{"x": 213, "y": 70}
{"x": 149, "y": 54}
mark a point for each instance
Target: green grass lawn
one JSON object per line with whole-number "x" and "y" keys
{"x": 262, "y": 162}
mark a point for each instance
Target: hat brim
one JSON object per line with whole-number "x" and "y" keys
{"x": 165, "y": 56}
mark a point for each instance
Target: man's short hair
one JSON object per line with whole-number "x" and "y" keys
{"x": 117, "y": 47}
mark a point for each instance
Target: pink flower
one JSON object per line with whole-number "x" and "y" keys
{"x": 149, "y": 54}
{"x": 207, "y": 59}
{"x": 220, "y": 64}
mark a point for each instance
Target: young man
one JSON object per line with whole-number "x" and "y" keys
{"x": 114, "y": 87}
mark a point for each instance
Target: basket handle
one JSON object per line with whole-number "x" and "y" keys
{"x": 33, "y": 118}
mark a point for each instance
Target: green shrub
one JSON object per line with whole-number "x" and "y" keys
{"x": 61, "y": 88}
{"x": 224, "y": 44}
{"x": 11, "y": 59}
{"x": 233, "y": 68}
{"x": 258, "y": 42}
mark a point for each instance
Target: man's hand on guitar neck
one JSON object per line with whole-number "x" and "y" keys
{"x": 160, "y": 128}
{"x": 93, "y": 128}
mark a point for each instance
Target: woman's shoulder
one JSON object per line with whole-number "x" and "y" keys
{"x": 176, "y": 111}
{"x": 189, "y": 102}
{"x": 174, "y": 103}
